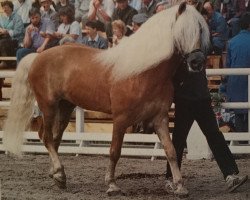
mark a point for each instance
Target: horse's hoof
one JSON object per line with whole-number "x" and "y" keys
{"x": 60, "y": 180}
{"x": 114, "y": 191}
{"x": 181, "y": 192}
{"x": 51, "y": 173}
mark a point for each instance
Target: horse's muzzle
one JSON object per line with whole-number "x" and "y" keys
{"x": 195, "y": 61}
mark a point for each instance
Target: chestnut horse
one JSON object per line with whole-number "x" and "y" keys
{"x": 132, "y": 81}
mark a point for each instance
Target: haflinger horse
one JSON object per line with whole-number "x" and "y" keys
{"x": 132, "y": 81}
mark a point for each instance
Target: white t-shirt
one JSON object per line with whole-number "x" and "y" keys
{"x": 73, "y": 28}
{"x": 23, "y": 9}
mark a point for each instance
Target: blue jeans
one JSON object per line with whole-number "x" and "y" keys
{"x": 23, "y": 52}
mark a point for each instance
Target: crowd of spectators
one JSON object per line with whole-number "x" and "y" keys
{"x": 28, "y": 26}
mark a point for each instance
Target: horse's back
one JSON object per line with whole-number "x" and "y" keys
{"x": 71, "y": 72}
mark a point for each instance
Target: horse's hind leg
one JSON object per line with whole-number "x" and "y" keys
{"x": 115, "y": 152}
{"x": 49, "y": 115}
{"x": 62, "y": 118}
{"x": 161, "y": 128}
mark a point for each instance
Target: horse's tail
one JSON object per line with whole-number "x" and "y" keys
{"x": 21, "y": 107}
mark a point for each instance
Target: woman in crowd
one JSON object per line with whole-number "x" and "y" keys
{"x": 69, "y": 28}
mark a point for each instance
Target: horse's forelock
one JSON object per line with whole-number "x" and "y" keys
{"x": 187, "y": 35}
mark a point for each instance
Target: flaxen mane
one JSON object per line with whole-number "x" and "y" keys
{"x": 155, "y": 41}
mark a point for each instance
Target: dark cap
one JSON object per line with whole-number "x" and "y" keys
{"x": 140, "y": 18}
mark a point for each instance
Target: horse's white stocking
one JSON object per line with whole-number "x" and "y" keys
{"x": 115, "y": 152}
{"x": 161, "y": 128}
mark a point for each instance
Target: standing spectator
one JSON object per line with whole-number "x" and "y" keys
{"x": 22, "y": 8}
{"x": 81, "y": 11}
{"x": 148, "y": 7}
{"x": 238, "y": 56}
{"x": 11, "y": 31}
{"x": 63, "y": 3}
{"x": 101, "y": 10}
{"x": 37, "y": 35}
{"x": 69, "y": 27}
{"x": 93, "y": 39}
{"x": 136, "y": 4}
{"x": 48, "y": 12}
{"x": 119, "y": 30}
{"x": 218, "y": 29}
{"x": 138, "y": 20}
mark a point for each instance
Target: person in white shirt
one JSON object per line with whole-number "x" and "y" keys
{"x": 69, "y": 27}
{"x": 22, "y": 8}
{"x": 101, "y": 10}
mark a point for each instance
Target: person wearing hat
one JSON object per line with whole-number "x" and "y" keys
{"x": 138, "y": 20}
{"x": 238, "y": 56}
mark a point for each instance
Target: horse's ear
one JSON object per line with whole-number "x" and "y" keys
{"x": 182, "y": 8}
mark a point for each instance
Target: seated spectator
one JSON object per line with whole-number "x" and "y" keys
{"x": 81, "y": 11}
{"x": 11, "y": 32}
{"x": 63, "y": 3}
{"x": 218, "y": 29}
{"x": 148, "y": 7}
{"x": 22, "y": 8}
{"x": 119, "y": 30}
{"x": 136, "y": 4}
{"x": 101, "y": 10}
{"x": 69, "y": 27}
{"x": 38, "y": 35}
{"x": 238, "y": 56}
{"x": 138, "y": 20}
{"x": 93, "y": 39}
{"x": 48, "y": 12}
{"x": 124, "y": 12}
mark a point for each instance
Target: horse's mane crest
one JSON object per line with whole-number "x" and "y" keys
{"x": 155, "y": 41}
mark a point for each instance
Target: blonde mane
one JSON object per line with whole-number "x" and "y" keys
{"x": 155, "y": 41}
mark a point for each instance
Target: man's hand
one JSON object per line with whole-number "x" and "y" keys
{"x": 40, "y": 49}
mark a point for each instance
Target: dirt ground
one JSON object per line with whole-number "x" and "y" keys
{"x": 139, "y": 178}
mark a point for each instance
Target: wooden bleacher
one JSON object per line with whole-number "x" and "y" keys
{"x": 214, "y": 62}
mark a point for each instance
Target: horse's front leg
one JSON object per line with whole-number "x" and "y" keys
{"x": 161, "y": 128}
{"x": 115, "y": 152}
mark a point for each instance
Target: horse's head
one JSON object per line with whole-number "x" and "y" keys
{"x": 191, "y": 38}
